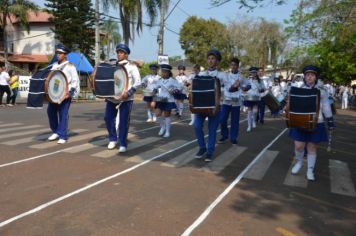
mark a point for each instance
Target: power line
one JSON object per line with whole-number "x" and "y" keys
{"x": 171, "y": 30}
{"x": 172, "y": 10}
{"x": 34, "y": 36}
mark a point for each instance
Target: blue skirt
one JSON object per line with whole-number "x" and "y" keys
{"x": 148, "y": 98}
{"x": 165, "y": 106}
{"x": 250, "y": 103}
{"x": 317, "y": 136}
{"x": 180, "y": 96}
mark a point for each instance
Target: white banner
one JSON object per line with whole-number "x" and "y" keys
{"x": 163, "y": 59}
{"x": 24, "y": 86}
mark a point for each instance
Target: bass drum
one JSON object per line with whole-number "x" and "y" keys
{"x": 56, "y": 87}
{"x": 110, "y": 81}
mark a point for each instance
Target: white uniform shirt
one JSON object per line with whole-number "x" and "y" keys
{"x": 182, "y": 79}
{"x": 134, "y": 76}
{"x": 71, "y": 74}
{"x": 330, "y": 89}
{"x": 151, "y": 81}
{"x": 226, "y": 83}
{"x": 276, "y": 90}
{"x": 255, "y": 87}
{"x": 267, "y": 82}
{"x": 164, "y": 87}
{"x": 4, "y": 78}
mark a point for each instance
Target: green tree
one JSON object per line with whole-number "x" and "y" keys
{"x": 327, "y": 31}
{"x": 73, "y": 24}
{"x": 112, "y": 36}
{"x": 249, "y": 4}
{"x": 131, "y": 12}
{"x": 19, "y": 9}
{"x": 198, "y": 36}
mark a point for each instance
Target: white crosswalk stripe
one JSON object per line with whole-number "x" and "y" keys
{"x": 135, "y": 144}
{"x": 10, "y": 125}
{"x": 70, "y": 140}
{"x": 297, "y": 180}
{"x": 181, "y": 159}
{"x": 19, "y": 128}
{"x": 155, "y": 151}
{"x": 221, "y": 161}
{"x": 23, "y": 133}
{"x": 258, "y": 171}
{"x": 340, "y": 178}
{"x": 38, "y": 138}
{"x": 87, "y": 146}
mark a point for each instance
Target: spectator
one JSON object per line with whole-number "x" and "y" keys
{"x": 14, "y": 85}
{"x": 4, "y": 85}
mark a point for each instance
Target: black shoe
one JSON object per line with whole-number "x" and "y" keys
{"x": 234, "y": 142}
{"x": 262, "y": 122}
{"x": 222, "y": 140}
{"x": 209, "y": 157}
{"x": 200, "y": 153}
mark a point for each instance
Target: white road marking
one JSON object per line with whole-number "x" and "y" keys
{"x": 340, "y": 178}
{"x": 211, "y": 207}
{"x": 181, "y": 159}
{"x": 19, "y": 128}
{"x": 22, "y": 133}
{"x": 258, "y": 171}
{"x": 299, "y": 179}
{"x": 224, "y": 159}
{"x": 10, "y": 124}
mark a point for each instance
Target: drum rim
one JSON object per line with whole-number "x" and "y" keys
{"x": 48, "y": 78}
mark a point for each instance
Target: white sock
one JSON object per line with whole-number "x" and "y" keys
{"x": 298, "y": 155}
{"x": 311, "y": 161}
{"x": 249, "y": 118}
{"x": 149, "y": 114}
{"x": 162, "y": 122}
{"x": 168, "y": 124}
{"x": 192, "y": 116}
{"x": 181, "y": 108}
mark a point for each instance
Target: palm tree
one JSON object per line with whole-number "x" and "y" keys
{"x": 18, "y": 8}
{"x": 112, "y": 35}
{"x": 131, "y": 14}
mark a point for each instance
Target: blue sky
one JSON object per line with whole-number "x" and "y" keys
{"x": 145, "y": 45}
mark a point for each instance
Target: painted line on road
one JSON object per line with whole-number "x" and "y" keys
{"x": 10, "y": 124}
{"x": 340, "y": 178}
{"x": 50, "y": 203}
{"x": 211, "y": 207}
{"x": 66, "y": 149}
{"x": 19, "y": 128}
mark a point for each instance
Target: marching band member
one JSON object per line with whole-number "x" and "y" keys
{"x": 214, "y": 57}
{"x": 307, "y": 139}
{"x": 182, "y": 79}
{"x": 150, "y": 82}
{"x": 231, "y": 103}
{"x": 124, "y": 109}
{"x": 252, "y": 88}
{"x": 267, "y": 84}
{"x": 58, "y": 113}
{"x": 276, "y": 91}
{"x": 196, "y": 71}
{"x": 165, "y": 89}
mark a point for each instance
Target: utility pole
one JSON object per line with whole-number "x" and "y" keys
{"x": 97, "y": 33}
{"x": 161, "y": 29}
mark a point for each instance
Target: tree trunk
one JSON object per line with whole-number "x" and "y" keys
{"x": 97, "y": 33}
{"x": 5, "y": 39}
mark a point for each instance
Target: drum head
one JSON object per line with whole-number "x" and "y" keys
{"x": 56, "y": 87}
{"x": 121, "y": 81}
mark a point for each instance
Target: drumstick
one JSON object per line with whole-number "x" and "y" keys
{"x": 328, "y": 149}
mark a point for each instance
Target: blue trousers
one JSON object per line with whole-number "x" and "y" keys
{"x": 261, "y": 111}
{"x": 235, "y": 119}
{"x": 58, "y": 117}
{"x": 124, "y": 121}
{"x": 213, "y": 123}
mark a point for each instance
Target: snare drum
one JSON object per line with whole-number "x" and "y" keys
{"x": 251, "y": 98}
{"x": 56, "y": 87}
{"x": 160, "y": 99}
{"x": 271, "y": 101}
{"x": 303, "y": 108}
{"x": 147, "y": 93}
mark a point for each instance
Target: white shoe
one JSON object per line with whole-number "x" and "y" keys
{"x": 248, "y": 129}
{"x": 149, "y": 120}
{"x": 53, "y": 137}
{"x": 62, "y": 141}
{"x": 166, "y": 135}
{"x": 296, "y": 168}
{"x": 254, "y": 124}
{"x": 161, "y": 131}
{"x": 310, "y": 175}
{"x": 111, "y": 145}
{"x": 191, "y": 123}
{"x": 122, "y": 149}
{"x": 154, "y": 119}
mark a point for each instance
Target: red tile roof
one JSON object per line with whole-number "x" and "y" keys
{"x": 29, "y": 58}
{"x": 33, "y": 17}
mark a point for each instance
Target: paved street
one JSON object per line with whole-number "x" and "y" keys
{"x": 158, "y": 188}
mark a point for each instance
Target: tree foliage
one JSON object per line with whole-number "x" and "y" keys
{"x": 198, "y": 36}
{"x": 111, "y": 37}
{"x": 257, "y": 42}
{"x": 73, "y": 24}
{"x": 327, "y": 31}
{"x": 249, "y": 4}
